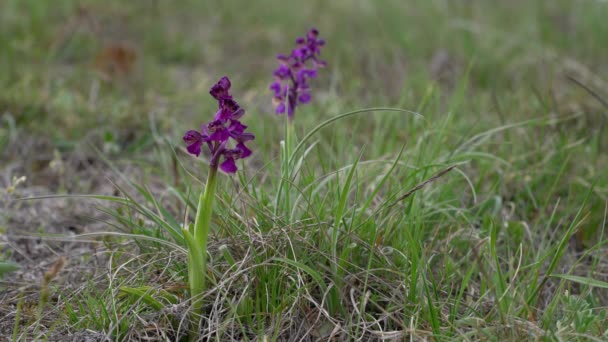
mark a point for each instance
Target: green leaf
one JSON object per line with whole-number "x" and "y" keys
{"x": 314, "y": 274}
{"x": 582, "y": 280}
{"x": 6, "y": 267}
{"x": 145, "y": 294}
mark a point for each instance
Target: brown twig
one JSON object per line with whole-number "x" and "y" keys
{"x": 600, "y": 100}
{"x": 423, "y": 184}
{"x": 589, "y": 90}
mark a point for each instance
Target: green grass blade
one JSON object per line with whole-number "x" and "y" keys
{"x": 339, "y": 117}
{"x": 7, "y": 267}
{"x": 142, "y": 293}
{"x": 560, "y": 249}
{"x": 309, "y": 270}
{"x": 582, "y": 280}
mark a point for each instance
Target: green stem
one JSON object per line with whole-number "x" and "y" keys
{"x": 205, "y": 209}
{"x": 282, "y": 197}
{"x": 289, "y": 135}
{"x": 196, "y": 239}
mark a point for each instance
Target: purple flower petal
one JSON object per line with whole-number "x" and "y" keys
{"x": 303, "y": 74}
{"x": 221, "y": 89}
{"x": 300, "y": 52}
{"x": 282, "y": 72}
{"x": 312, "y": 73}
{"x": 194, "y": 149}
{"x": 194, "y": 140}
{"x": 244, "y": 137}
{"x": 217, "y": 131}
{"x": 228, "y": 166}
{"x": 221, "y": 135}
{"x": 224, "y": 82}
{"x": 229, "y": 104}
{"x": 229, "y": 109}
{"x": 276, "y": 88}
{"x": 236, "y": 127}
{"x": 222, "y": 115}
{"x": 291, "y": 108}
{"x": 304, "y": 97}
{"x": 245, "y": 152}
{"x": 237, "y": 114}
{"x": 192, "y": 136}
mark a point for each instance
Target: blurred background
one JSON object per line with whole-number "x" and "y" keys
{"x": 84, "y": 81}
{"x": 80, "y": 69}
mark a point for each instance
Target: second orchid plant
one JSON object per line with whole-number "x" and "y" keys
{"x": 291, "y": 88}
{"x": 290, "y": 84}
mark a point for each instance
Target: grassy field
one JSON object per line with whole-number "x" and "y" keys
{"x": 478, "y": 215}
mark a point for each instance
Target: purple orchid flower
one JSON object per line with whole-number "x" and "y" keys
{"x": 224, "y": 127}
{"x": 290, "y": 86}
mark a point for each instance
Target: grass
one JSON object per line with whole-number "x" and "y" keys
{"x": 508, "y": 244}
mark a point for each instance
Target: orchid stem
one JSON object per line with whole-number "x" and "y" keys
{"x": 196, "y": 239}
{"x": 289, "y": 137}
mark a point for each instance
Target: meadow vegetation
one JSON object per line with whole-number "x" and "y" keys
{"x": 449, "y": 180}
